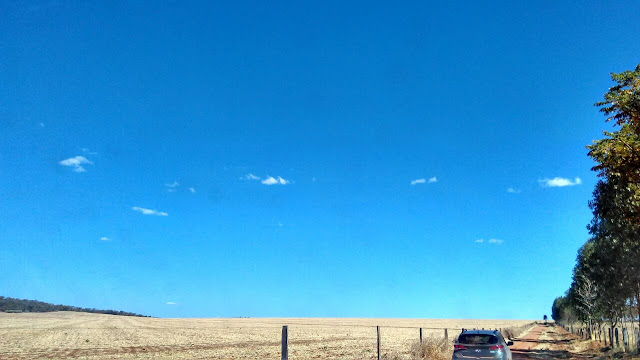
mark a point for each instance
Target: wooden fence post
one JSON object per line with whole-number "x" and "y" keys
{"x": 446, "y": 335}
{"x": 420, "y": 335}
{"x": 285, "y": 343}
{"x": 378, "y": 336}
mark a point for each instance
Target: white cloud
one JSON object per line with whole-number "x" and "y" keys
{"x": 171, "y": 303}
{"x": 193, "y": 190}
{"x": 560, "y": 182}
{"x": 76, "y": 163}
{"x": 513, "y": 191}
{"x": 490, "y": 241}
{"x": 249, "y": 177}
{"x": 272, "y": 181}
{"x": 149, "y": 211}
{"x": 424, "y": 181}
{"x": 104, "y": 238}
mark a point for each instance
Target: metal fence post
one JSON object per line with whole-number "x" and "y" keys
{"x": 420, "y": 335}
{"x": 285, "y": 343}
{"x": 446, "y": 335}
{"x": 378, "y": 336}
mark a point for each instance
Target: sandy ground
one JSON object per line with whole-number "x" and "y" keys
{"x": 71, "y": 335}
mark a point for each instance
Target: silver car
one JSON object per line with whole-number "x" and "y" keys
{"x": 481, "y": 344}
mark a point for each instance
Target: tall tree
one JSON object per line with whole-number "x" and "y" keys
{"x": 616, "y": 201}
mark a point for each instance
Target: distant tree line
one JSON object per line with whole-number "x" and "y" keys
{"x": 606, "y": 278}
{"x": 8, "y": 304}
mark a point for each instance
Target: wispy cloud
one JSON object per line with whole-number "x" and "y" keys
{"x": 193, "y": 190}
{"x": 490, "y": 241}
{"x": 41, "y": 124}
{"x": 172, "y": 187}
{"x": 104, "y": 238}
{"x": 513, "y": 191}
{"x": 76, "y": 163}
{"x": 88, "y": 152}
{"x": 249, "y": 177}
{"x": 145, "y": 211}
{"x": 424, "y": 181}
{"x": 560, "y": 182}
{"x": 171, "y": 303}
{"x": 272, "y": 181}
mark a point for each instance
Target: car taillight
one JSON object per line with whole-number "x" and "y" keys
{"x": 459, "y": 347}
{"x": 496, "y": 347}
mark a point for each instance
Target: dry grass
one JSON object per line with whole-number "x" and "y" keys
{"x": 69, "y": 335}
{"x": 432, "y": 348}
{"x": 513, "y": 332}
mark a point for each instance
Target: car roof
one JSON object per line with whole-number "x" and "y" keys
{"x": 483, "y": 332}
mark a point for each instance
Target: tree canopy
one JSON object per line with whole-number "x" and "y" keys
{"x": 8, "y": 304}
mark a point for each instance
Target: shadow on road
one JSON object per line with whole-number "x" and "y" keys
{"x": 546, "y": 354}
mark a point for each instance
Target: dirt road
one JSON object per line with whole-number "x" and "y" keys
{"x": 552, "y": 342}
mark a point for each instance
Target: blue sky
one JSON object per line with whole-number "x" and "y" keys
{"x": 257, "y": 158}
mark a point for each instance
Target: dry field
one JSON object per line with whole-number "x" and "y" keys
{"x": 71, "y": 335}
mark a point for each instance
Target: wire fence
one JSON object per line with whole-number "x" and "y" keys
{"x": 624, "y": 337}
{"x": 387, "y": 337}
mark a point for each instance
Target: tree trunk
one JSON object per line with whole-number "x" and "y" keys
{"x": 638, "y": 309}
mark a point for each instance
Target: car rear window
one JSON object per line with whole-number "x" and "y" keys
{"x": 477, "y": 339}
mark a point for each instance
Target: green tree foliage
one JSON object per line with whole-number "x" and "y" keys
{"x": 8, "y": 304}
{"x": 618, "y": 154}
